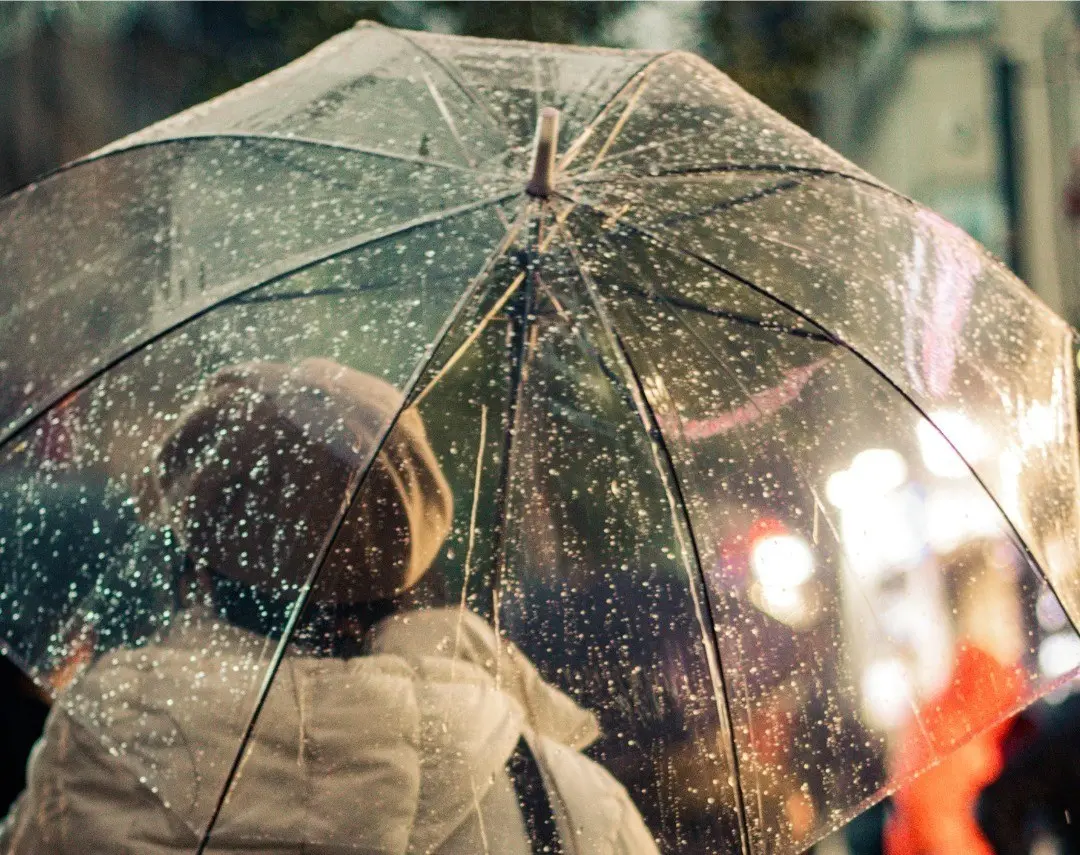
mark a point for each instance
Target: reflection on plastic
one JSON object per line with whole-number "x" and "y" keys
{"x": 350, "y": 499}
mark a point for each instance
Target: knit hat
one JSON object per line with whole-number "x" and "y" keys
{"x": 255, "y": 473}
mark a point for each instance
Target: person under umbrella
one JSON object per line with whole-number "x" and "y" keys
{"x": 430, "y": 733}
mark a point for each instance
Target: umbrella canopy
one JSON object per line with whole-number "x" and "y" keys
{"x": 721, "y": 461}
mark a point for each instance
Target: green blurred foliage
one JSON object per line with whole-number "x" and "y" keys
{"x": 136, "y": 62}
{"x": 774, "y": 50}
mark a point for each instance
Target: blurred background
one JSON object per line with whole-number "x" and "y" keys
{"x": 971, "y": 108}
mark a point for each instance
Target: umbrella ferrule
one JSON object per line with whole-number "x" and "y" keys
{"x": 543, "y": 160}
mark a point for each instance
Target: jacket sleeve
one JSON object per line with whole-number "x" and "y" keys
{"x": 21, "y": 830}
{"x": 16, "y": 832}
{"x": 79, "y": 798}
{"x": 462, "y": 635}
{"x": 592, "y": 809}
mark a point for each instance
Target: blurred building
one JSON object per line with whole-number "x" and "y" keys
{"x": 972, "y": 109}
{"x": 1063, "y": 94}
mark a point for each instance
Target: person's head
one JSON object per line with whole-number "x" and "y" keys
{"x": 255, "y": 474}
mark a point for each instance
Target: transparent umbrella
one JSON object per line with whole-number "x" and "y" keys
{"x": 452, "y": 445}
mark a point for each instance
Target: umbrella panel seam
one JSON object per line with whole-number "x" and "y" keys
{"x": 599, "y": 177}
{"x": 302, "y": 600}
{"x": 801, "y": 474}
{"x": 665, "y": 463}
{"x": 635, "y": 78}
{"x": 110, "y": 153}
{"x": 305, "y": 262}
{"x": 1020, "y": 541}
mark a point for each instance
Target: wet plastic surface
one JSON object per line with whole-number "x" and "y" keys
{"x": 716, "y": 478}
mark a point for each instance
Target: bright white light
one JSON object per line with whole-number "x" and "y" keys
{"x": 886, "y": 691}
{"x": 874, "y": 472}
{"x": 954, "y": 516}
{"x": 882, "y": 469}
{"x": 899, "y": 538}
{"x": 882, "y": 531}
{"x": 964, "y": 436}
{"x": 1049, "y": 613}
{"x": 791, "y": 605}
{"x": 1037, "y": 425}
{"x": 782, "y": 601}
{"x": 842, "y": 489}
{"x": 1059, "y": 654}
{"x": 781, "y": 561}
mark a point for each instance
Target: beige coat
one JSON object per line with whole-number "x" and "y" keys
{"x": 400, "y": 751}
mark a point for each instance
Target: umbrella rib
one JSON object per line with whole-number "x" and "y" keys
{"x": 352, "y": 493}
{"x": 444, "y": 113}
{"x": 665, "y": 465}
{"x": 333, "y": 291}
{"x": 108, "y": 153}
{"x": 492, "y": 312}
{"x": 1020, "y": 540}
{"x": 563, "y": 315}
{"x": 659, "y": 241}
{"x": 819, "y": 505}
{"x": 452, "y": 73}
{"x": 478, "y": 472}
{"x": 720, "y": 169}
{"x": 723, "y": 167}
{"x": 600, "y": 176}
{"x": 520, "y": 350}
{"x": 744, "y": 199}
{"x": 735, "y": 317}
{"x": 727, "y": 706}
{"x": 653, "y": 145}
{"x": 637, "y": 78}
{"x": 620, "y": 123}
{"x": 728, "y": 204}
{"x": 248, "y": 284}
{"x": 700, "y": 308}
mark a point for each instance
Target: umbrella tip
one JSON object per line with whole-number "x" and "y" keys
{"x": 543, "y": 160}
